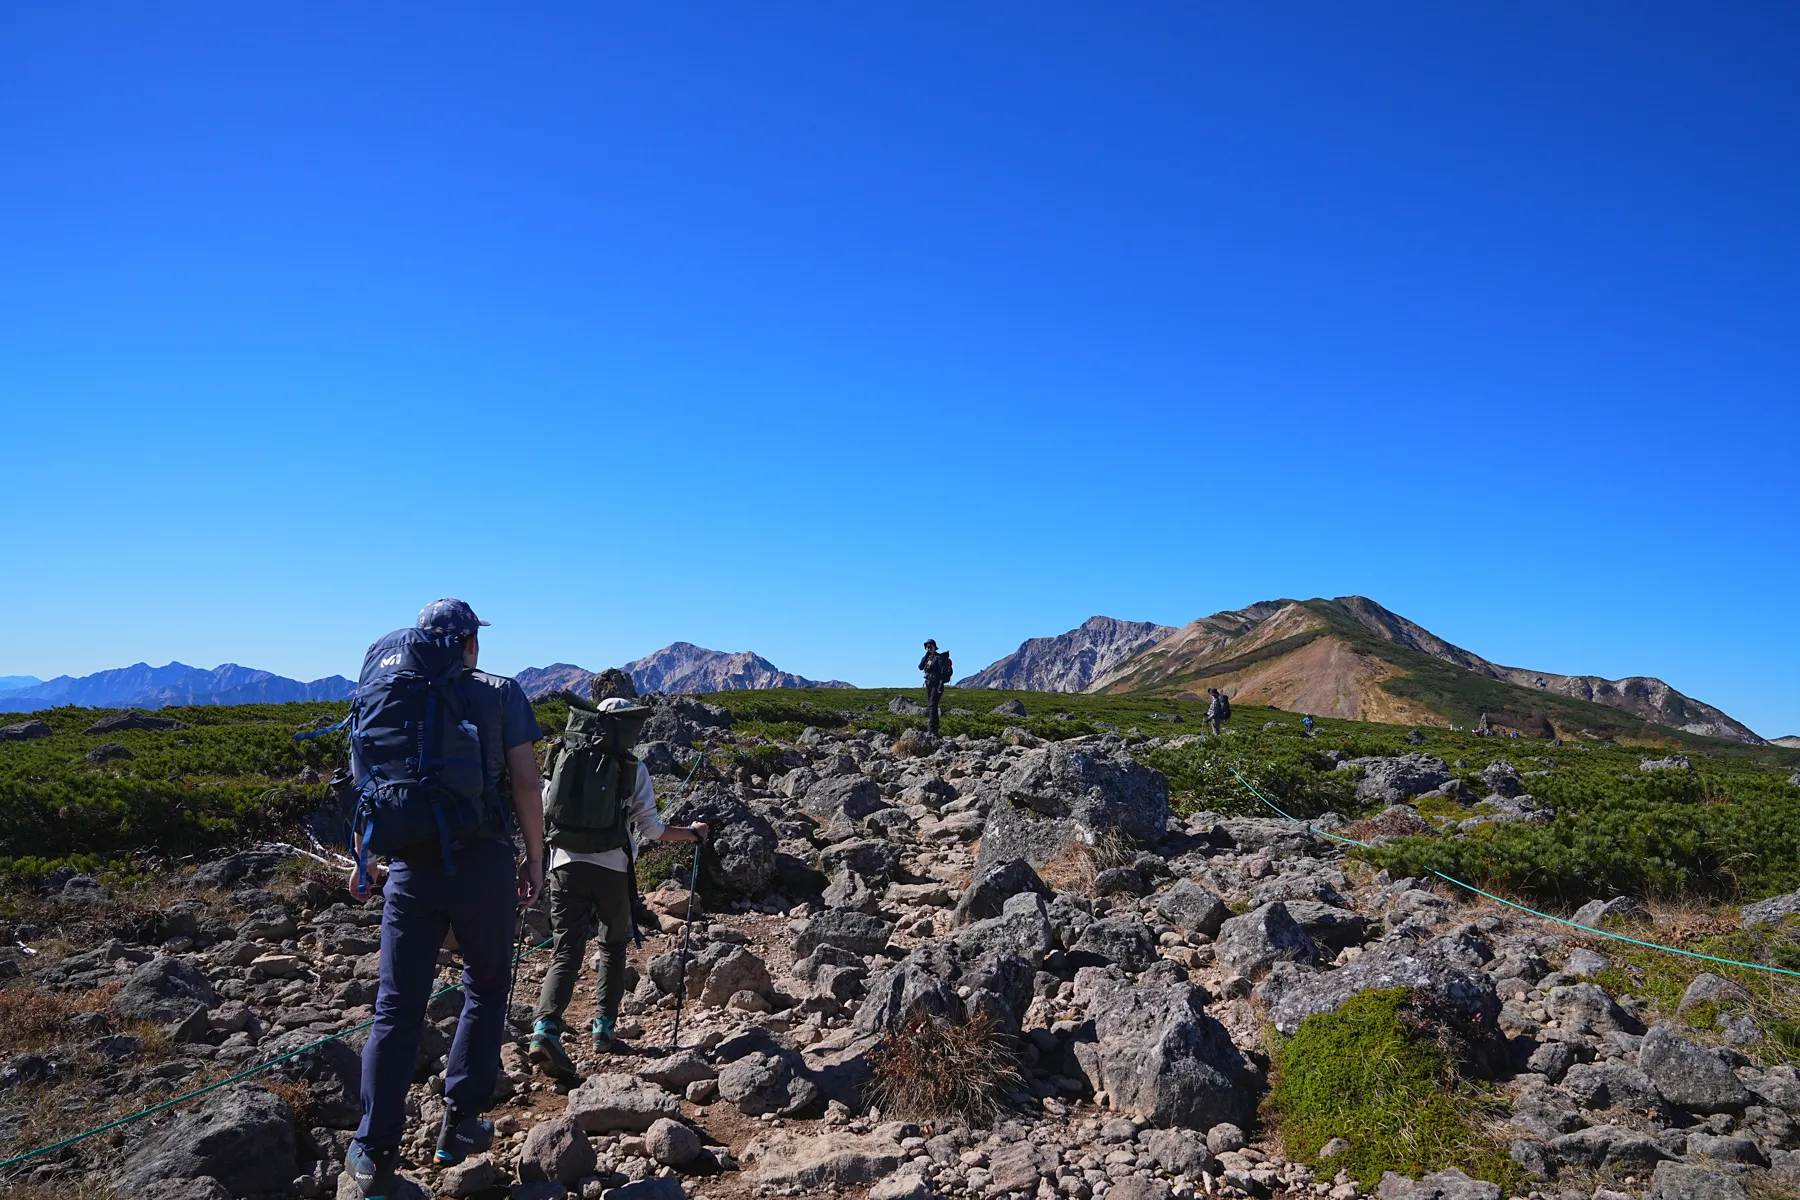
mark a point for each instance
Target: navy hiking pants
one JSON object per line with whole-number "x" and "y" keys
{"x": 423, "y": 901}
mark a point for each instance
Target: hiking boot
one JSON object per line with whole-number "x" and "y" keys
{"x": 605, "y": 1040}
{"x": 547, "y": 1051}
{"x": 462, "y": 1137}
{"x": 372, "y": 1169}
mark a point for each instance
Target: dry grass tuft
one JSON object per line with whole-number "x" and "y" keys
{"x": 31, "y": 1020}
{"x": 907, "y": 745}
{"x": 931, "y": 1068}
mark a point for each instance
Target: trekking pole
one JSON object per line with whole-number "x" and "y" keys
{"x": 687, "y": 926}
{"x": 518, "y": 953}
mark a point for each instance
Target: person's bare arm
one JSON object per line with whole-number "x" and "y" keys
{"x": 528, "y": 805}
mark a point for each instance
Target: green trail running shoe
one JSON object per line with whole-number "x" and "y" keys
{"x": 604, "y": 1038}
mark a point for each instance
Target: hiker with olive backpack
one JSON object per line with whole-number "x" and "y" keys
{"x": 599, "y": 796}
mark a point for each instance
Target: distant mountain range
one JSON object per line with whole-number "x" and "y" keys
{"x": 678, "y": 667}
{"x": 1072, "y": 661}
{"x": 145, "y": 686}
{"x": 1350, "y": 657}
{"x": 10, "y": 683}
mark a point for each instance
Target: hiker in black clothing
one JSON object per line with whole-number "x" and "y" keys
{"x": 937, "y": 668}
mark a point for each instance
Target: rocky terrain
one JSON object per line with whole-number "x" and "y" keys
{"x": 680, "y": 667}
{"x": 145, "y": 686}
{"x": 1141, "y": 968}
{"x": 1072, "y": 661}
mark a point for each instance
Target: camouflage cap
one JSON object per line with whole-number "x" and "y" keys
{"x": 453, "y": 618}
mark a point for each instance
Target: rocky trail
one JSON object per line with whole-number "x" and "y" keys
{"x": 1134, "y": 963}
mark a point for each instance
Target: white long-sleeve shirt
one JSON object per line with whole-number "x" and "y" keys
{"x": 641, "y": 820}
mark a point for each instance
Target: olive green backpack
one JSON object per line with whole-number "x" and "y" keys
{"x": 592, "y": 776}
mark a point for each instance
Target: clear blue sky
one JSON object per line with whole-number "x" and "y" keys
{"x": 820, "y": 329}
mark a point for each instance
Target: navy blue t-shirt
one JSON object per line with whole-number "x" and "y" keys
{"x": 502, "y": 712}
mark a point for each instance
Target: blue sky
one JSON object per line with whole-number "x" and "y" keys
{"x": 819, "y": 329}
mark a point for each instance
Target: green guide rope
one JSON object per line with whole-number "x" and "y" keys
{"x": 1617, "y": 937}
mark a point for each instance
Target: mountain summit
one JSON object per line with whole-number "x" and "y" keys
{"x": 144, "y": 686}
{"x": 1350, "y": 657}
{"x": 1070, "y": 662}
{"x": 678, "y": 667}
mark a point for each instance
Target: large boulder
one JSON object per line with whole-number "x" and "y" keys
{"x": 817, "y": 1160}
{"x": 1687, "y": 1181}
{"x": 923, "y": 982}
{"x": 1392, "y": 780}
{"x": 739, "y": 857}
{"x": 133, "y": 720}
{"x": 1261, "y": 938}
{"x": 767, "y": 1082}
{"x": 1159, "y": 1055}
{"x": 241, "y": 1136}
{"x": 1291, "y": 993}
{"x": 606, "y": 1103}
{"x": 993, "y": 887}
{"x": 556, "y": 1150}
{"x": 1055, "y": 799}
{"x": 163, "y": 990}
{"x": 1123, "y": 941}
{"x": 1023, "y": 927}
{"x": 1773, "y": 911}
{"x": 1192, "y": 909}
{"x": 25, "y": 731}
{"x": 682, "y": 720}
{"x": 856, "y": 932}
{"x": 1690, "y": 1076}
{"x": 330, "y": 1071}
{"x": 855, "y": 796}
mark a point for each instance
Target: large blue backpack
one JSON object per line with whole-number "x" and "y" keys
{"x": 415, "y": 755}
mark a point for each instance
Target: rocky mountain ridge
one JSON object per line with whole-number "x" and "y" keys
{"x": 145, "y": 686}
{"x": 1350, "y": 657}
{"x": 1072, "y": 661}
{"x": 678, "y": 668}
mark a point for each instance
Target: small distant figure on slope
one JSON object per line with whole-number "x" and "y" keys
{"x": 937, "y": 667}
{"x": 1307, "y": 722}
{"x": 1218, "y": 709}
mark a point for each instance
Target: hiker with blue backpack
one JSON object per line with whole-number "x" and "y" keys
{"x": 436, "y": 746}
{"x": 599, "y": 796}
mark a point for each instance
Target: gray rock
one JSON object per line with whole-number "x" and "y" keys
{"x": 660, "y": 1187}
{"x": 469, "y": 1177}
{"x": 1708, "y": 988}
{"x": 107, "y": 752}
{"x": 739, "y": 857}
{"x": 203, "y": 1188}
{"x": 855, "y": 796}
{"x": 1121, "y": 940}
{"x": 241, "y": 1136}
{"x": 1022, "y": 927}
{"x": 1552, "y": 1059}
{"x": 1225, "y": 1137}
{"x": 24, "y": 731}
{"x": 1773, "y": 911}
{"x": 1180, "y": 1151}
{"x": 1393, "y": 780}
{"x": 767, "y": 1083}
{"x": 556, "y": 1150}
{"x": 1054, "y": 799}
{"x": 1607, "y": 1146}
{"x": 675, "y": 1071}
{"x": 1008, "y": 708}
{"x": 332, "y": 1073}
{"x": 1257, "y": 940}
{"x": 1619, "y": 908}
{"x": 1675, "y": 762}
{"x": 542, "y": 1189}
{"x": 1611, "y": 1084}
{"x": 1683, "y": 1181}
{"x": 1161, "y": 1056}
{"x": 1139, "y": 1187}
{"x": 1586, "y": 1008}
{"x": 914, "y": 984}
{"x": 405, "y": 1188}
{"x": 907, "y": 1185}
{"x": 873, "y": 858}
{"x": 738, "y": 971}
{"x": 1327, "y": 924}
{"x": 852, "y": 892}
{"x": 1192, "y": 909}
{"x": 1451, "y": 1184}
{"x": 1502, "y": 779}
{"x": 671, "y": 1143}
{"x": 1720, "y": 1148}
{"x": 993, "y": 887}
{"x": 162, "y": 990}
{"x": 1582, "y": 961}
{"x": 133, "y": 720}
{"x": 856, "y": 932}
{"x": 1690, "y": 1076}
{"x": 817, "y": 1160}
{"x": 1291, "y": 994}
{"x": 84, "y": 889}
{"x": 1119, "y": 881}
{"x": 607, "y": 1103}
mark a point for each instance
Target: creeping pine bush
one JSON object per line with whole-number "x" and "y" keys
{"x": 1372, "y": 1076}
{"x": 930, "y": 1068}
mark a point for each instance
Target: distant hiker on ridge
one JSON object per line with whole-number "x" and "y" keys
{"x": 937, "y": 668}
{"x": 1218, "y": 709}
{"x": 600, "y": 794}
{"x": 447, "y": 833}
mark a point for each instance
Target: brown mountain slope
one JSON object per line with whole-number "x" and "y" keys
{"x": 1350, "y": 657}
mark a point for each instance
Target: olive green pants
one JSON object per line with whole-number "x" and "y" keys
{"x": 583, "y": 896}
